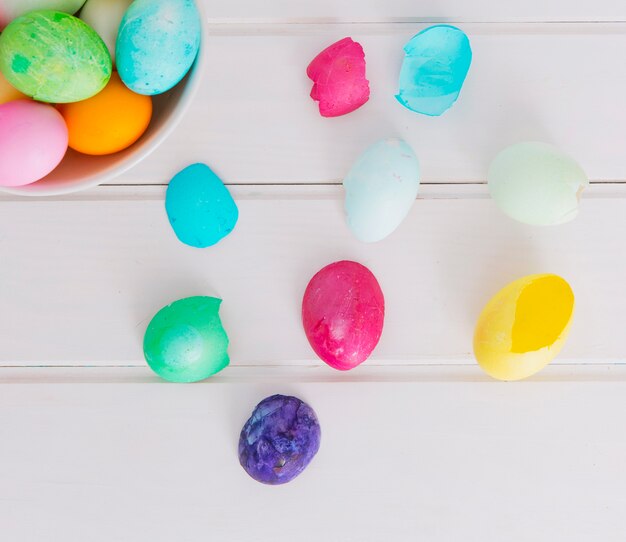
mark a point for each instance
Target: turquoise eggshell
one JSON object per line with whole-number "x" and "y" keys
{"x": 157, "y": 43}
{"x": 435, "y": 66}
{"x": 536, "y": 183}
{"x": 380, "y": 189}
{"x": 199, "y": 207}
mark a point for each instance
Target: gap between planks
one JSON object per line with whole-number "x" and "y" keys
{"x": 401, "y": 374}
{"x": 296, "y": 191}
{"x": 277, "y": 27}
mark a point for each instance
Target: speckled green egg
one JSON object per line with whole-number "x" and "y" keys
{"x": 536, "y": 183}
{"x": 54, "y": 57}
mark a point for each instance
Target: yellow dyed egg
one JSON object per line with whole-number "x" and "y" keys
{"x": 8, "y": 93}
{"x": 524, "y": 326}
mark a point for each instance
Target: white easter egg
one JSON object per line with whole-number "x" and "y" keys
{"x": 12, "y": 9}
{"x": 105, "y": 16}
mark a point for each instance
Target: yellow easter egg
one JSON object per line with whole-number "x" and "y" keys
{"x": 8, "y": 93}
{"x": 524, "y": 326}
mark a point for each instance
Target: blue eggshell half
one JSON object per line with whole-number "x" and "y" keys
{"x": 435, "y": 66}
{"x": 157, "y": 43}
{"x": 199, "y": 207}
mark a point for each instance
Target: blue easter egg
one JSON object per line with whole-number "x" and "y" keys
{"x": 157, "y": 43}
{"x": 381, "y": 189}
{"x": 199, "y": 207}
{"x": 435, "y": 66}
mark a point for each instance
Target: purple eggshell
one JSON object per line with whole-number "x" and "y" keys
{"x": 279, "y": 440}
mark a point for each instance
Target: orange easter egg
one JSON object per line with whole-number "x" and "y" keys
{"x": 109, "y": 121}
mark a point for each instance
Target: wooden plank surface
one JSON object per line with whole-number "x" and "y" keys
{"x": 101, "y": 459}
{"x": 418, "y": 444}
{"x": 82, "y": 276}
{"x": 254, "y": 121}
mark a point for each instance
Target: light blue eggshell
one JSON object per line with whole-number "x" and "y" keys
{"x": 380, "y": 189}
{"x": 157, "y": 44}
{"x": 199, "y": 207}
{"x": 435, "y": 66}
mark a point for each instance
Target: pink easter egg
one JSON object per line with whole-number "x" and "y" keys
{"x": 343, "y": 312}
{"x": 339, "y": 76}
{"x": 33, "y": 140}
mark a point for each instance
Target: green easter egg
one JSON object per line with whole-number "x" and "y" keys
{"x": 54, "y": 57}
{"x": 185, "y": 341}
{"x": 537, "y": 184}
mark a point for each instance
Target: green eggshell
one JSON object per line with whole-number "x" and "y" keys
{"x": 54, "y": 57}
{"x": 185, "y": 341}
{"x": 537, "y": 184}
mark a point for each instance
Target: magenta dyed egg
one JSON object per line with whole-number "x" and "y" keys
{"x": 343, "y": 312}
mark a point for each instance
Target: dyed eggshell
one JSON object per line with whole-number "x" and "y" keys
{"x": 108, "y": 122}
{"x": 12, "y": 9}
{"x": 338, "y": 74}
{"x": 434, "y": 69}
{"x": 535, "y": 183}
{"x": 54, "y": 57}
{"x": 343, "y": 312}
{"x": 105, "y": 16}
{"x": 33, "y": 140}
{"x": 185, "y": 341}
{"x": 381, "y": 189}
{"x": 524, "y": 326}
{"x": 279, "y": 440}
{"x": 8, "y": 93}
{"x": 157, "y": 44}
{"x": 200, "y": 208}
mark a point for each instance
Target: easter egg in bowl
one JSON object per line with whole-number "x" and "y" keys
{"x": 81, "y": 170}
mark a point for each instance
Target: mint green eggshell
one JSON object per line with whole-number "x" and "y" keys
{"x": 54, "y": 57}
{"x": 186, "y": 342}
{"x": 537, "y": 184}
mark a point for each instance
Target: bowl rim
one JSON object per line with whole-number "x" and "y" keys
{"x": 194, "y": 78}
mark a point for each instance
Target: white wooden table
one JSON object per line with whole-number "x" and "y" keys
{"x": 417, "y": 444}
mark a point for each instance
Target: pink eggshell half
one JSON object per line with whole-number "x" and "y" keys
{"x": 338, "y": 73}
{"x": 343, "y": 311}
{"x": 33, "y": 140}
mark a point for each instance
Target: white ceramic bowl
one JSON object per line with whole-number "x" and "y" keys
{"x": 80, "y": 171}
